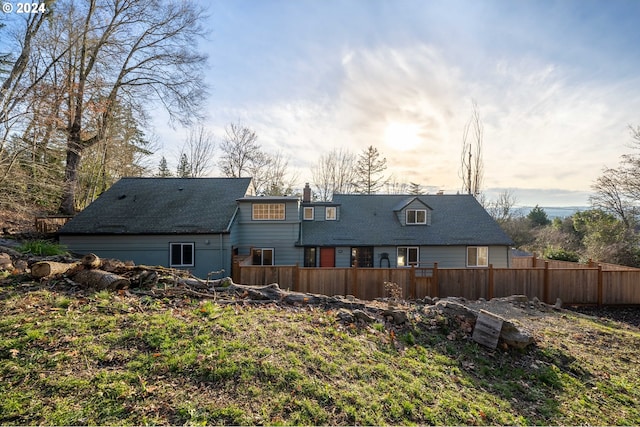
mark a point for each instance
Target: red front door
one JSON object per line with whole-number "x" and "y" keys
{"x": 327, "y": 257}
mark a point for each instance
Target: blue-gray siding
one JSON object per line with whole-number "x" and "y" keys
{"x": 212, "y": 251}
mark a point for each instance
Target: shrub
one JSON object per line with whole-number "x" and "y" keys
{"x": 42, "y": 248}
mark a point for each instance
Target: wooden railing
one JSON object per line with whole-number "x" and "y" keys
{"x": 50, "y": 223}
{"x": 580, "y": 285}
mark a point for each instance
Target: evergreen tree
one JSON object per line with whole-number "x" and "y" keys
{"x": 538, "y": 217}
{"x": 163, "y": 169}
{"x": 415, "y": 188}
{"x": 184, "y": 168}
{"x": 369, "y": 169}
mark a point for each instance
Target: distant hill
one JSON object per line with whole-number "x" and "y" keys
{"x": 554, "y": 211}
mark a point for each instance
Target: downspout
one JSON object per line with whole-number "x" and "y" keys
{"x": 221, "y": 253}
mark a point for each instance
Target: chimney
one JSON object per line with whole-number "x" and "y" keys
{"x": 306, "y": 193}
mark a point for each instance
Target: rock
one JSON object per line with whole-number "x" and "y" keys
{"x": 515, "y": 337}
{"x": 398, "y": 317}
{"x": 345, "y": 316}
{"x": 361, "y": 315}
{"x": 21, "y": 266}
{"x": 518, "y": 298}
{"x": 455, "y": 309}
{"x": 5, "y": 262}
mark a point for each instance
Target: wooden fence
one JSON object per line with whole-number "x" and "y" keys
{"x": 580, "y": 285}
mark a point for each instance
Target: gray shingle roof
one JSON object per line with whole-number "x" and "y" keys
{"x": 162, "y": 206}
{"x": 370, "y": 220}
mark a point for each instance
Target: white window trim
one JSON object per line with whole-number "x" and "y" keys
{"x": 416, "y": 215}
{"x": 407, "y": 264}
{"x": 476, "y": 264}
{"x": 304, "y": 213}
{"x": 335, "y": 213}
{"x": 269, "y": 212}
{"x": 182, "y": 245}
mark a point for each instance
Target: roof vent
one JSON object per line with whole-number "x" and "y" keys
{"x": 122, "y": 196}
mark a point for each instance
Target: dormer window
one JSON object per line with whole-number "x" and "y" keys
{"x": 307, "y": 213}
{"x": 331, "y": 213}
{"x": 416, "y": 216}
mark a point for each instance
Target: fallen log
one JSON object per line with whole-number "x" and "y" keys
{"x": 91, "y": 261}
{"x": 100, "y": 280}
{"x": 43, "y": 269}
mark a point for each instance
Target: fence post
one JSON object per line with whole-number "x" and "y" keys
{"x": 545, "y": 291}
{"x": 236, "y": 276}
{"x": 354, "y": 280}
{"x": 412, "y": 282}
{"x": 600, "y": 284}
{"x": 296, "y": 277}
{"x": 534, "y": 258}
{"x": 490, "y": 284}
{"x": 435, "y": 287}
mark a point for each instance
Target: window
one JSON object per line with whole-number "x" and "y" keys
{"x": 309, "y": 257}
{"x": 330, "y": 213}
{"x": 363, "y": 255}
{"x": 181, "y": 254}
{"x": 262, "y": 256}
{"x": 408, "y": 256}
{"x": 268, "y": 211}
{"x": 477, "y": 256}
{"x": 307, "y": 214}
{"x": 416, "y": 216}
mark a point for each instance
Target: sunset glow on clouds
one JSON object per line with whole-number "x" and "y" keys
{"x": 556, "y": 85}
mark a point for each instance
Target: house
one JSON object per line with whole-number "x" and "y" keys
{"x": 175, "y": 222}
{"x": 383, "y": 230}
{"x": 201, "y": 224}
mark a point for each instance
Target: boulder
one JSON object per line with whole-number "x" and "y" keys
{"x": 5, "y": 262}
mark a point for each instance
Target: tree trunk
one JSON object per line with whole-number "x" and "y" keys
{"x": 49, "y": 268}
{"x": 74, "y": 154}
{"x": 100, "y": 280}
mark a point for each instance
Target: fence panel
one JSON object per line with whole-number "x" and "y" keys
{"x": 325, "y": 281}
{"x": 518, "y": 281}
{"x": 466, "y": 283}
{"x": 578, "y": 286}
{"x": 263, "y": 275}
{"x": 621, "y": 287}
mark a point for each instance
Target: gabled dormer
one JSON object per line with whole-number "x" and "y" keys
{"x": 413, "y": 212}
{"x": 317, "y": 211}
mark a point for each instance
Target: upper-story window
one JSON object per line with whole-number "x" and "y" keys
{"x": 416, "y": 216}
{"x": 331, "y": 213}
{"x": 267, "y": 211}
{"x": 307, "y": 213}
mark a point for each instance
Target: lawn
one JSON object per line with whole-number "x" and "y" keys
{"x": 71, "y": 357}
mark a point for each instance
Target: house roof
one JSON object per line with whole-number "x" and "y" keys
{"x": 162, "y": 206}
{"x": 372, "y": 220}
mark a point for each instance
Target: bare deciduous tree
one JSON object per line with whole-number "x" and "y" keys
{"x": 199, "y": 149}
{"x": 334, "y": 173}
{"x": 502, "y": 209}
{"x": 472, "y": 165}
{"x": 239, "y": 149}
{"x": 617, "y": 190}
{"x": 100, "y": 56}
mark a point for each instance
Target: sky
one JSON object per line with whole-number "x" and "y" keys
{"x": 556, "y": 84}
